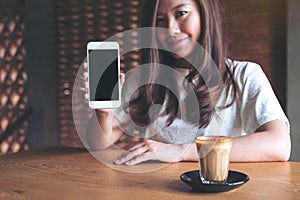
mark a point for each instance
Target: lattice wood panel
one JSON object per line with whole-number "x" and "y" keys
{"x": 77, "y": 23}
{"x": 13, "y": 77}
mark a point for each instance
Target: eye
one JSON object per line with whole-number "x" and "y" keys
{"x": 180, "y": 13}
{"x": 160, "y": 20}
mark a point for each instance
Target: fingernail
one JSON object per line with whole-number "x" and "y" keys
{"x": 116, "y": 162}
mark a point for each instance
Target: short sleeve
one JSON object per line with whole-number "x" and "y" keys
{"x": 258, "y": 101}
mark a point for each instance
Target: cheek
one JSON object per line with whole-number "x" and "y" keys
{"x": 161, "y": 37}
{"x": 194, "y": 29}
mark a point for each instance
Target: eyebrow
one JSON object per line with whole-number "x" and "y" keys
{"x": 180, "y": 5}
{"x": 176, "y": 7}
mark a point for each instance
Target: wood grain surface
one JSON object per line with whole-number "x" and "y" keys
{"x": 71, "y": 173}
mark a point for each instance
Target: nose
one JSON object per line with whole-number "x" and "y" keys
{"x": 173, "y": 27}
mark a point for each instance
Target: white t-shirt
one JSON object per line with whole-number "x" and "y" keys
{"x": 256, "y": 104}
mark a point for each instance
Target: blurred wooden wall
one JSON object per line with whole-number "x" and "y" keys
{"x": 257, "y": 31}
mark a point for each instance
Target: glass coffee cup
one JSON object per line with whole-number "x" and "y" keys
{"x": 214, "y": 154}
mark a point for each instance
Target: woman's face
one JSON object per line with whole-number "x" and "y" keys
{"x": 182, "y": 20}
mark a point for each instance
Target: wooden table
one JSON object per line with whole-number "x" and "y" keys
{"x": 70, "y": 173}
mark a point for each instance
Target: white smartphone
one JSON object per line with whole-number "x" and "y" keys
{"x": 103, "y": 59}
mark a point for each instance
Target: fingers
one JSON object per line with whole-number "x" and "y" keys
{"x": 122, "y": 78}
{"x": 85, "y": 67}
{"x": 136, "y": 146}
{"x": 82, "y": 82}
{"x": 84, "y": 75}
{"x": 141, "y": 158}
{"x": 151, "y": 150}
{"x": 132, "y": 156}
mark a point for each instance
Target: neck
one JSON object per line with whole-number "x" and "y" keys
{"x": 182, "y": 63}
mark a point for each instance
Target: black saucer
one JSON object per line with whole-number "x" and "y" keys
{"x": 234, "y": 180}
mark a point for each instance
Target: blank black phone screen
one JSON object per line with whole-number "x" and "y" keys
{"x": 103, "y": 75}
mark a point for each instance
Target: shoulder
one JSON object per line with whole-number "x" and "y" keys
{"x": 248, "y": 74}
{"x": 245, "y": 69}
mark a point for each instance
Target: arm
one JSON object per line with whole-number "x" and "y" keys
{"x": 101, "y": 130}
{"x": 259, "y": 105}
{"x": 271, "y": 142}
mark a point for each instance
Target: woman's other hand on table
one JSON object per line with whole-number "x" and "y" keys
{"x": 151, "y": 150}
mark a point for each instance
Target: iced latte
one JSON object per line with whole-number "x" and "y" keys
{"x": 214, "y": 153}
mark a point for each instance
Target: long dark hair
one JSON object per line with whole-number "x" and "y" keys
{"x": 213, "y": 41}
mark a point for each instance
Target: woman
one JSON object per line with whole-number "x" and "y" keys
{"x": 237, "y": 100}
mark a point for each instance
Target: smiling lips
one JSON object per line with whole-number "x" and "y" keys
{"x": 176, "y": 43}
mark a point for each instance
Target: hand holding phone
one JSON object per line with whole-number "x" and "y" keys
{"x": 103, "y": 59}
